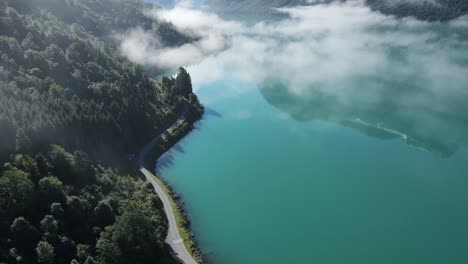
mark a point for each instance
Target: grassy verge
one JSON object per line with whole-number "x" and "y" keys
{"x": 180, "y": 219}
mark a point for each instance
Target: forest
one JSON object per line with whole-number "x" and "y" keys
{"x": 72, "y": 112}
{"x": 60, "y": 207}
{"x": 63, "y": 80}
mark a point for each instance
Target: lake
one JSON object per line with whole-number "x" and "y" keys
{"x": 322, "y": 145}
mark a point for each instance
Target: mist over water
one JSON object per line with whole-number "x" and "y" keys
{"x": 347, "y": 64}
{"x": 339, "y": 137}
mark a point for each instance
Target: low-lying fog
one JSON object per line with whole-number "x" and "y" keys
{"x": 340, "y": 62}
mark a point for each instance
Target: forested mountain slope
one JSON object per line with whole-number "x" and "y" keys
{"x": 421, "y": 9}
{"x": 63, "y": 80}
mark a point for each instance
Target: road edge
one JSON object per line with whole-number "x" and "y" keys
{"x": 181, "y": 219}
{"x": 181, "y": 127}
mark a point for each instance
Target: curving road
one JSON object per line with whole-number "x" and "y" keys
{"x": 173, "y": 239}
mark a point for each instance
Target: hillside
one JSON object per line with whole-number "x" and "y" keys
{"x": 73, "y": 114}
{"x": 60, "y": 207}
{"x": 64, "y": 81}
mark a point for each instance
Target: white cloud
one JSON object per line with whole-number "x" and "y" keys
{"x": 208, "y": 30}
{"x": 359, "y": 58}
{"x": 329, "y": 47}
{"x": 325, "y": 46}
{"x": 197, "y": 21}
{"x": 145, "y": 48}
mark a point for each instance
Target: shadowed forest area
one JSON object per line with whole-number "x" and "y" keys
{"x": 72, "y": 109}
{"x": 63, "y": 80}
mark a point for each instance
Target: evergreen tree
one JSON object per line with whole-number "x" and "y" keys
{"x": 25, "y": 236}
{"x": 45, "y": 253}
{"x": 183, "y": 83}
{"x": 16, "y": 192}
{"x": 23, "y": 143}
{"x": 133, "y": 238}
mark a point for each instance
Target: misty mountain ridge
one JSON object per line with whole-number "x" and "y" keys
{"x": 430, "y": 10}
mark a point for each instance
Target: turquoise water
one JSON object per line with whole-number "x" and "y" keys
{"x": 335, "y": 137}
{"x": 261, "y": 187}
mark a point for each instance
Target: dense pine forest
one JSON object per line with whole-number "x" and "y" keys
{"x": 63, "y": 80}
{"x": 72, "y": 110}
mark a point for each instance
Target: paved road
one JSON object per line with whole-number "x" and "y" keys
{"x": 173, "y": 238}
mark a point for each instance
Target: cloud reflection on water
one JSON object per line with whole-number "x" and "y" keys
{"x": 342, "y": 62}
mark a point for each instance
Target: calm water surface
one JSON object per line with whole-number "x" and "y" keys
{"x": 316, "y": 152}
{"x": 261, "y": 187}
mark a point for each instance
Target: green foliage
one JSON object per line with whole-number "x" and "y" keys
{"x": 133, "y": 238}
{"x": 23, "y": 143}
{"x": 62, "y": 163}
{"x": 104, "y": 214}
{"x": 56, "y": 90}
{"x": 43, "y": 165}
{"x": 183, "y": 83}
{"x": 63, "y": 80}
{"x": 27, "y": 164}
{"x": 50, "y": 229}
{"x": 56, "y": 210}
{"x": 25, "y": 236}
{"x": 45, "y": 253}
{"x": 90, "y": 260}
{"x": 121, "y": 212}
{"x": 73, "y": 168}
{"x": 16, "y": 191}
{"x": 82, "y": 252}
{"x": 75, "y": 212}
{"x": 65, "y": 250}
{"x": 49, "y": 225}
{"x": 51, "y": 190}
{"x": 83, "y": 170}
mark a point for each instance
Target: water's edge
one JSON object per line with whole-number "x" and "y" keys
{"x": 150, "y": 156}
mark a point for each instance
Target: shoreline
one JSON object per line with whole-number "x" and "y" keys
{"x": 182, "y": 127}
{"x": 183, "y": 222}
